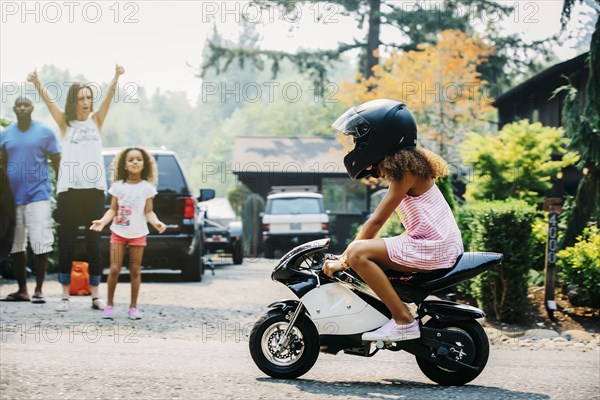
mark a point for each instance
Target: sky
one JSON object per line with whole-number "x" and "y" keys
{"x": 160, "y": 42}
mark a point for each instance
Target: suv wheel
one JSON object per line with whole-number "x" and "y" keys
{"x": 193, "y": 267}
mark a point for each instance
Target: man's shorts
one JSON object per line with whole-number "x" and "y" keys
{"x": 33, "y": 220}
{"x": 116, "y": 239}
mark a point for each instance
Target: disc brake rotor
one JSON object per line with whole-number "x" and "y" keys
{"x": 289, "y": 352}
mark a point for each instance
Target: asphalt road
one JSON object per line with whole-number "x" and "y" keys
{"x": 42, "y": 356}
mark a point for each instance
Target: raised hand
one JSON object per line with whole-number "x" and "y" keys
{"x": 33, "y": 76}
{"x": 119, "y": 70}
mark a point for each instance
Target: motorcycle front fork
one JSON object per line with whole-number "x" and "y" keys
{"x": 292, "y": 317}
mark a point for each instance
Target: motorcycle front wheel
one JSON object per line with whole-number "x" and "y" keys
{"x": 288, "y": 360}
{"x": 475, "y": 354}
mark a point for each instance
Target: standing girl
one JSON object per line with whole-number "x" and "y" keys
{"x": 385, "y": 137}
{"x": 132, "y": 191}
{"x": 81, "y": 179}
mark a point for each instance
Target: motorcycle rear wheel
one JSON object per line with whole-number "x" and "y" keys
{"x": 292, "y": 361}
{"x": 478, "y": 354}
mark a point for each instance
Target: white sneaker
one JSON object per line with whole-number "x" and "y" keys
{"x": 63, "y": 306}
{"x": 392, "y": 332}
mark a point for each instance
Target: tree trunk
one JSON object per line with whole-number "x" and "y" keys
{"x": 584, "y": 207}
{"x": 371, "y": 59}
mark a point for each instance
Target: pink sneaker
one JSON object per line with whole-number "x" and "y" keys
{"x": 108, "y": 312}
{"x": 392, "y": 332}
{"x": 134, "y": 314}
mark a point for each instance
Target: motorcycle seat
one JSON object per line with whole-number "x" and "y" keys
{"x": 466, "y": 264}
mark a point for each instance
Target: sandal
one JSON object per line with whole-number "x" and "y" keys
{"x": 63, "y": 306}
{"x": 98, "y": 304}
{"x": 38, "y": 298}
{"x": 16, "y": 296}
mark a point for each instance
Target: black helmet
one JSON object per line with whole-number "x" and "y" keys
{"x": 380, "y": 127}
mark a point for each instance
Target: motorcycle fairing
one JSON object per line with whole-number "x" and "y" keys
{"x": 443, "y": 311}
{"x": 335, "y": 309}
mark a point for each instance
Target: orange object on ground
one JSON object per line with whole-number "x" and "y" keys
{"x": 80, "y": 279}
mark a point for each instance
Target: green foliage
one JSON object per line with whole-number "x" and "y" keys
{"x": 501, "y": 227}
{"x": 515, "y": 163}
{"x": 584, "y": 130}
{"x": 237, "y": 196}
{"x": 252, "y": 224}
{"x": 4, "y": 122}
{"x": 579, "y": 268}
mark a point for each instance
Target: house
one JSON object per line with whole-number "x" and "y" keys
{"x": 534, "y": 100}
{"x": 267, "y": 163}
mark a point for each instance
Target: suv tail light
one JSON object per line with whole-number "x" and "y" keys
{"x": 324, "y": 226}
{"x": 186, "y": 208}
{"x": 266, "y": 227}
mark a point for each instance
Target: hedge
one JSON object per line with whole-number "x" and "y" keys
{"x": 501, "y": 227}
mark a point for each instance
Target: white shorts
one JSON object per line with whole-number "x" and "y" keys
{"x": 34, "y": 220}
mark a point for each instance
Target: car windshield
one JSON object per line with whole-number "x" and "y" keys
{"x": 296, "y": 205}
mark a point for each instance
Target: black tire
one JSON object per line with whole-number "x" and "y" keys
{"x": 193, "y": 268}
{"x": 282, "y": 365}
{"x": 237, "y": 253}
{"x": 477, "y": 356}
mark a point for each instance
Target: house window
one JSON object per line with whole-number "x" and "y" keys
{"x": 344, "y": 196}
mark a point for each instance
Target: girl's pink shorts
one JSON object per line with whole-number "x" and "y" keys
{"x": 116, "y": 239}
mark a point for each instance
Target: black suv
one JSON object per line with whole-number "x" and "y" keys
{"x": 180, "y": 246}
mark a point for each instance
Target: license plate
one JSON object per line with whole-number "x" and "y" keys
{"x": 295, "y": 227}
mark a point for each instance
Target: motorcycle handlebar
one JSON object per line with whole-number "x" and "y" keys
{"x": 339, "y": 274}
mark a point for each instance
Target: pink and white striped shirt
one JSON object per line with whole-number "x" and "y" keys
{"x": 432, "y": 239}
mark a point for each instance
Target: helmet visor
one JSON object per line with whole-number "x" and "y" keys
{"x": 352, "y": 124}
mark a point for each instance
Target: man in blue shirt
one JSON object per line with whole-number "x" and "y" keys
{"x": 28, "y": 145}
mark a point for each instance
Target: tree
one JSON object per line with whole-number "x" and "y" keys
{"x": 440, "y": 83}
{"x": 515, "y": 163}
{"x": 583, "y": 127}
{"x": 414, "y": 23}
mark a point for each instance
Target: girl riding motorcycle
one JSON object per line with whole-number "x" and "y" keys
{"x": 385, "y": 137}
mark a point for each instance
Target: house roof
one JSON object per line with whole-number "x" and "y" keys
{"x": 541, "y": 79}
{"x": 287, "y": 154}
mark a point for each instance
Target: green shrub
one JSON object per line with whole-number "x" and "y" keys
{"x": 579, "y": 269}
{"x": 516, "y": 162}
{"x": 501, "y": 227}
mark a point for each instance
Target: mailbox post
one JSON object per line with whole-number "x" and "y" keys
{"x": 553, "y": 206}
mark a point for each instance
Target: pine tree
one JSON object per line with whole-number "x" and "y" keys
{"x": 583, "y": 127}
{"x": 415, "y": 23}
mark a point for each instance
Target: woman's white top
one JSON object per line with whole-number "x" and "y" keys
{"x": 81, "y": 162}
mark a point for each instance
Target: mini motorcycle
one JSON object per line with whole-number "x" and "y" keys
{"x": 332, "y": 314}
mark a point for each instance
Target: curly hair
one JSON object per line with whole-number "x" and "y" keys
{"x": 72, "y": 98}
{"x": 149, "y": 173}
{"x": 417, "y": 161}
